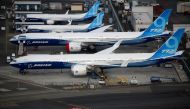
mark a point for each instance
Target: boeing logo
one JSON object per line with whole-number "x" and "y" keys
{"x": 41, "y": 42}
{"x": 168, "y": 51}
{"x": 160, "y": 22}
{"x": 156, "y": 30}
{"x": 42, "y": 65}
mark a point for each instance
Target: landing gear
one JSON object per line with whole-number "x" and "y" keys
{"x": 93, "y": 75}
{"x": 22, "y": 71}
{"x": 100, "y": 73}
{"x": 35, "y": 48}
{"x": 96, "y": 73}
{"x": 91, "y": 48}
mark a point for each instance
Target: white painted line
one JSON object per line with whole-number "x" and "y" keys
{"x": 4, "y": 90}
{"x": 21, "y": 89}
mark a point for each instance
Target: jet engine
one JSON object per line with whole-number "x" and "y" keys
{"x": 23, "y": 29}
{"x": 79, "y": 70}
{"x": 73, "y": 47}
{"x": 50, "y": 22}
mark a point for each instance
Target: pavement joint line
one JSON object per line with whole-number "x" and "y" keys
{"x": 78, "y": 93}
{"x": 27, "y": 82}
{"x": 14, "y": 95}
{"x": 53, "y": 95}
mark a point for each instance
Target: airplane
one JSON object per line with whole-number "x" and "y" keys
{"x": 51, "y": 18}
{"x": 81, "y": 64}
{"x": 96, "y": 23}
{"x": 75, "y": 42}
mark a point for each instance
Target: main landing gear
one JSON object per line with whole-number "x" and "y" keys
{"x": 22, "y": 71}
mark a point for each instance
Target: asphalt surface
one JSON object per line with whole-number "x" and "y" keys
{"x": 172, "y": 97}
{"x": 27, "y": 94}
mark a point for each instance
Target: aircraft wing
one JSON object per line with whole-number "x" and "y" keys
{"x": 111, "y": 49}
{"x": 99, "y": 64}
{"x": 101, "y": 29}
{"x": 105, "y": 63}
{"x": 96, "y": 63}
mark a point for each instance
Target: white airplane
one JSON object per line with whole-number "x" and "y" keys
{"x": 96, "y": 23}
{"x": 75, "y": 42}
{"x": 80, "y": 64}
{"x": 51, "y": 18}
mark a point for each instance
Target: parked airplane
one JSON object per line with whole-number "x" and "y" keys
{"x": 51, "y": 18}
{"x": 75, "y": 42}
{"x": 97, "y": 22}
{"x": 80, "y": 64}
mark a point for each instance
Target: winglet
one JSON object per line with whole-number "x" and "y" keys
{"x": 111, "y": 49}
{"x": 67, "y": 12}
{"x": 158, "y": 26}
{"x": 169, "y": 48}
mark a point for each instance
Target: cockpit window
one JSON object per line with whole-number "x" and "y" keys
{"x": 13, "y": 60}
{"x": 14, "y": 37}
{"x": 22, "y": 37}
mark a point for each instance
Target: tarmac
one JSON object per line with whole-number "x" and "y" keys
{"x": 53, "y": 88}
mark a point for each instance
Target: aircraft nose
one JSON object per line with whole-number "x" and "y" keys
{"x": 14, "y": 64}
{"x": 13, "y": 40}
{"x": 11, "y": 63}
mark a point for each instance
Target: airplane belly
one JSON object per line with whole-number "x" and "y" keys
{"x": 43, "y": 65}
{"x": 143, "y": 63}
{"x": 35, "y": 20}
{"x": 45, "y": 42}
{"x": 38, "y": 30}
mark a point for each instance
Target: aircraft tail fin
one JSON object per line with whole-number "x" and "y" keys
{"x": 93, "y": 10}
{"x": 169, "y": 48}
{"x": 158, "y": 26}
{"x": 97, "y": 22}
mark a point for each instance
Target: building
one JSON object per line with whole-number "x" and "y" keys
{"x": 141, "y": 17}
{"x": 23, "y": 7}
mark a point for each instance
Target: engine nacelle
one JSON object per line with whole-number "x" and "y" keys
{"x": 73, "y": 47}
{"x": 50, "y": 22}
{"x": 23, "y": 29}
{"x": 79, "y": 70}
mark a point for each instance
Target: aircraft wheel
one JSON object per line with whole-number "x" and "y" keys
{"x": 22, "y": 72}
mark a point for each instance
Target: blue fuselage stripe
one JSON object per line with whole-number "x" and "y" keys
{"x": 42, "y": 42}
{"x": 65, "y": 65}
